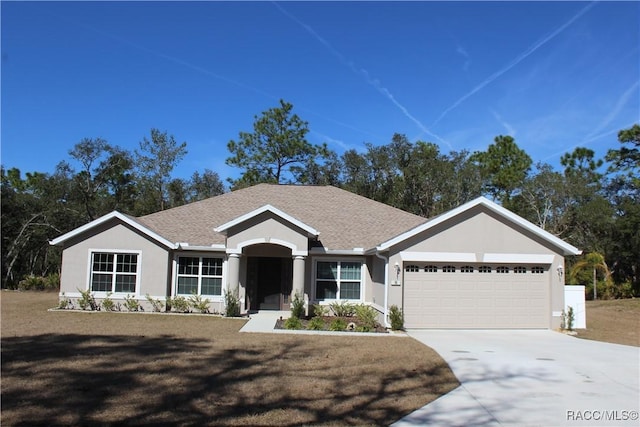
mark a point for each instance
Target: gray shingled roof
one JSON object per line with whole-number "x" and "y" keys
{"x": 344, "y": 220}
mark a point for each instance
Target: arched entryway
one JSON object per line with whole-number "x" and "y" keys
{"x": 269, "y": 280}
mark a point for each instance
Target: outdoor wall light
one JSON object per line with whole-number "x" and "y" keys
{"x": 397, "y": 267}
{"x": 560, "y": 270}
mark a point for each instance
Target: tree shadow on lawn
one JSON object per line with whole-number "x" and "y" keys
{"x": 71, "y": 379}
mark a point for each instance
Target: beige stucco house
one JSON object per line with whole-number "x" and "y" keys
{"x": 476, "y": 266}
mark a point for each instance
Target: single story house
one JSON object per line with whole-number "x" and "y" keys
{"x": 476, "y": 266}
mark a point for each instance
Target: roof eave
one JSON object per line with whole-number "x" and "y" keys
{"x": 565, "y": 247}
{"x": 105, "y": 218}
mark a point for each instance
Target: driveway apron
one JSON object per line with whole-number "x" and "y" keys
{"x": 531, "y": 378}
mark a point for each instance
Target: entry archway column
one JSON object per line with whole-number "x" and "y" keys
{"x": 234, "y": 275}
{"x": 298, "y": 276}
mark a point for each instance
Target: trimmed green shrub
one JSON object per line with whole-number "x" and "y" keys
{"x": 131, "y": 303}
{"x": 343, "y": 309}
{"x": 367, "y": 317}
{"x": 297, "y": 307}
{"x": 107, "y": 303}
{"x": 338, "y": 325}
{"x": 293, "y": 323}
{"x": 202, "y": 305}
{"x": 87, "y": 300}
{"x": 156, "y": 304}
{"x": 64, "y": 302}
{"x": 320, "y": 310}
{"x": 396, "y": 317}
{"x": 232, "y": 305}
{"x": 180, "y": 304}
{"x": 316, "y": 324}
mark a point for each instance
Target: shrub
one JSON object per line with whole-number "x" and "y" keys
{"x": 202, "y": 305}
{"x": 87, "y": 300}
{"x": 156, "y": 304}
{"x": 180, "y": 304}
{"x": 297, "y": 307}
{"x": 396, "y": 317}
{"x": 316, "y": 324}
{"x": 343, "y": 309}
{"x": 293, "y": 323}
{"x": 232, "y": 305}
{"x": 320, "y": 310}
{"x": 64, "y": 302}
{"x": 131, "y": 303}
{"x": 338, "y": 325}
{"x": 32, "y": 283}
{"x": 367, "y": 316}
{"x": 570, "y": 318}
{"x": 107, "y": 303}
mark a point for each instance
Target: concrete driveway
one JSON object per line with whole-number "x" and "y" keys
{"x": 531, "y": 378}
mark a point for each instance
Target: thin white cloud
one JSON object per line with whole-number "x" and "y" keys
{"x": 510, "y": 130}
{"x": 622, "y": 101}
{"x": 515, "y": 61}
{"x": 467, "y": 58}
{"x": 371, "y": 81}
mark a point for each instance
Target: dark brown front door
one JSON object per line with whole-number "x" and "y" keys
{"x": 269, "y": 282}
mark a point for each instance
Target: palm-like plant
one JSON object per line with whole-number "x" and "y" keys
{"x": 593, "y": 261}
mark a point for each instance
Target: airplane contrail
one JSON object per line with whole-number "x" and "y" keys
{"x": 514, "y": 62}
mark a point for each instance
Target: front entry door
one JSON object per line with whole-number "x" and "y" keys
{"x": 269, "y": 282}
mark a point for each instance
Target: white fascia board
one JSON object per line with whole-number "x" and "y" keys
{"x": 518, "y": 258}
{"x": 326, "y": 251}
{"x": 115, "y": 214}
{"x": 564, "y": 246}
{"x": 267, "y": 208}
{"x": 438, "y": 256}
{"x": 188, "y": 247}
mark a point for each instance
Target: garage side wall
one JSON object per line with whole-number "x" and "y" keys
{"x": 471, "y": 239}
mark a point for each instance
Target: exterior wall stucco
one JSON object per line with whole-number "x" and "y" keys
{"x": 267, "y": 228}
{"x": 480, "y": 231}
{"x": 154, "y": 262}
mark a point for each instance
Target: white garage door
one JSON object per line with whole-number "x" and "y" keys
{"x": 474, "y": 296}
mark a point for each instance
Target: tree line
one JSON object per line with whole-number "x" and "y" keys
{"x": 593, "y": 203}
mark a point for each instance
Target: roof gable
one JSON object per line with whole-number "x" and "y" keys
{"x": 312, "y": 232}
{"x": 565, "y": 247}
{"x": 108, "y": 217}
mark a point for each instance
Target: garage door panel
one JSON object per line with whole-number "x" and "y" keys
{"x": 476, "y": 300}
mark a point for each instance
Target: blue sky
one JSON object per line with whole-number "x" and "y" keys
{"x": 554, "y": 75}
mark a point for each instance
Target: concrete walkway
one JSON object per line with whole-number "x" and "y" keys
{"x": 264, "y": 321}
{"x": 531, "y": 378}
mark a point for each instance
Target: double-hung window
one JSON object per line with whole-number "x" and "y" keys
{"x": 338, "y": 280}
{"x": 114, "y": 272}
{"x": 199, "y": 275}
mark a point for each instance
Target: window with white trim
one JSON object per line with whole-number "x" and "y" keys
{"x": 338, "y": 280}
{"x": 502, "y": 269}
{"x": 114, "y": 272}
{"x": 484, "y": 269}
{"x": 448, "y": 269}
{"x": 199, "y": 275}
{"x": 412, "y": 268}
{"x": 430, "y": 268}
{"x": 537, "y": 270}
{"x": 519, "y": 269}
{"x": 466, "y": 269}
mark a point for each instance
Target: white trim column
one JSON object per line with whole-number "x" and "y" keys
{"x": 298, "y": 276}
{"x": 233, "y": 280}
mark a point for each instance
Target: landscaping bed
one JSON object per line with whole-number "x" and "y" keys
{"x": 333, "y": 323}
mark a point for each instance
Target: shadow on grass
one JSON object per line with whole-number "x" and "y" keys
{"x": 69, "y": 379}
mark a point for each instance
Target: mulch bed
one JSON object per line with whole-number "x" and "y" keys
{"x": 352, "y": 325}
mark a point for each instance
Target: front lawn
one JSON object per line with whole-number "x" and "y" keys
{"x": 615, "y": 321}
{"x": 66, "y": 368}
